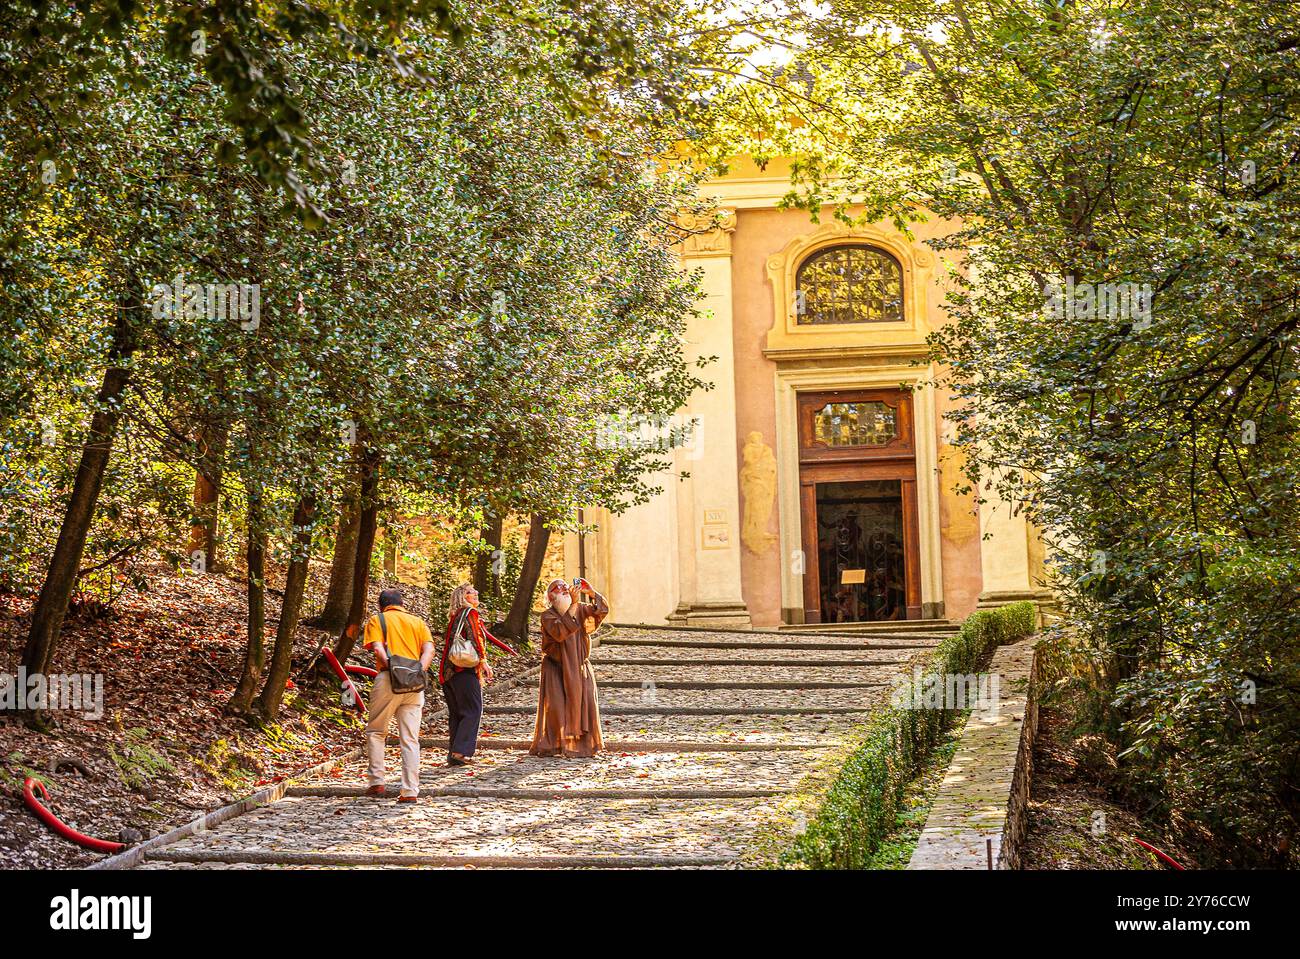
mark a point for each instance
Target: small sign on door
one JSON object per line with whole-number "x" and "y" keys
{"x": 852, "y": 577}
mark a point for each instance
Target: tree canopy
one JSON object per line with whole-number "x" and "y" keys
{"x": 487, "y": 275}
{"x": 1122, "y": 336}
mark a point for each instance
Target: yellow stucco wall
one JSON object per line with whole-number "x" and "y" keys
{"x": 759, "y": 234}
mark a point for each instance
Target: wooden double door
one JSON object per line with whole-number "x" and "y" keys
{"x": 857, "y": 490}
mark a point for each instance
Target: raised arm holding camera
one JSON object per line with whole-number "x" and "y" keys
{"x": 568, "y": 716}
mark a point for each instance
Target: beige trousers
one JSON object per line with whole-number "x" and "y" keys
{"x": 407, "y": 707}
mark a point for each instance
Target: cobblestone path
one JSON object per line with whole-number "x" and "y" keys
{"x": 705, "y": 732}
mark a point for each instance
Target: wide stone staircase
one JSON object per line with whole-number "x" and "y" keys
{"x": 706, "y": 733}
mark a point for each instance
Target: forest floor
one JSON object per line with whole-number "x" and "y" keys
{"x": 1077, "y": 819}
{"x": 164, "y": 750}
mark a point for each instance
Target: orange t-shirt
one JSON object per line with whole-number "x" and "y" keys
{"x": 406, "y": 633}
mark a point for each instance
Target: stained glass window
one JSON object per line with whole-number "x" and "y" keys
{"x": 850, "y": 283}
{"x": 855, "y": 424}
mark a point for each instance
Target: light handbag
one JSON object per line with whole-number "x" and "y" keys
{"x": 405, "y": 675}
{"x": 461, "y": 650}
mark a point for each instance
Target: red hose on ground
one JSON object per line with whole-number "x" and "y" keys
{"x": 347, "y": 681}
{"x": 361, "y": 670}
{"x": 1147, "y": 845}
{"x": 57, "y": 824}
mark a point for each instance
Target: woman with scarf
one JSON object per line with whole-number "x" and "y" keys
{"x": 462, "y": 686}
{"x": 568, "y": 716}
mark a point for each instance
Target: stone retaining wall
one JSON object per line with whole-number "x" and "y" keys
{"x": 979, "y": 813}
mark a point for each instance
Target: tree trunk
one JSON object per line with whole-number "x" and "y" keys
{"x": 207, "y": 494}
{"x": 516, "y": 626}
{"x": 61, "y": 576}
{"x": 369, "y": 502}
{"x": 268, "y": 704}
{"x": 339, "y": 598}
{"x": 255, "y": 653}
{"x": 484, "y": 572}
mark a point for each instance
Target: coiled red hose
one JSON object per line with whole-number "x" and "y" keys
{"x": 58, "y": 825}
{"x": 361, "y": 670}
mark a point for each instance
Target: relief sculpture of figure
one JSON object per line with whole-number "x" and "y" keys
{"x": 758, "y": 483}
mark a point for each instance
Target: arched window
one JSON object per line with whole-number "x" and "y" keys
{"x": 849, "y": 283}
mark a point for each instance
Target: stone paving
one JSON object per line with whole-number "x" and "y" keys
{"x": 706, "y": 734}
{"x": 979, "y": 812}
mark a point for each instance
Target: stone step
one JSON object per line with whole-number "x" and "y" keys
{"x": 697, "y": 710}
{"x": 785, "y": 676}
{"x": 782, "y": 653}
{"x": 656, "y": 699}
{"x": 884, "y": 642}
{"x": 712, "y": 729}
{"x": 359, "y": 792}
{"x": 670, "y": 772}
{"x": 327, "y": 860}
{"x": 786, "y": 663}
{"x": 723, "y": 684}
{"x": 845, "y": 629}
{"x": 634, "y": 746}
{"x": 467, "y": 829}
{"x": 884, "y": 626}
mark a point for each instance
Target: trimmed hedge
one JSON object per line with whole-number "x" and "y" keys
{"x": 861, "y": 805}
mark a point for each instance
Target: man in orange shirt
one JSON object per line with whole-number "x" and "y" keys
{"x": 407, "y": 636}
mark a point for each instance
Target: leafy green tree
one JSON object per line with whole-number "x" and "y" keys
{"x": 1121, "y": 340}
{"x": 460, "y": 329}
{"x": 252, "y": 52}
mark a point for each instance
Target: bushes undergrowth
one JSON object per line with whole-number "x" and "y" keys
{"x": 861, "y": 805}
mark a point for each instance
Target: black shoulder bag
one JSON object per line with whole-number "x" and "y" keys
{"x": 405, "y": 675}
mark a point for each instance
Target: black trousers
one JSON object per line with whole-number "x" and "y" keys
{"x": 464, "y": 695}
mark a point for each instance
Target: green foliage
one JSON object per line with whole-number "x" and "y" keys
{"x": 229, "y": 764}
{"x": 862, "y": 805}
{"x": 899, "y": 842}
{"x": 1148, "y": 144}
{"x": 138, "y": 762}
{"x": 442, "y": 578}
{"x": 450, "y": 563}
{"x": 502, "y": 585}
{"x": 495, "y": 278}
{"x": 14, "y": 771}
{"x": 256, "y": 58}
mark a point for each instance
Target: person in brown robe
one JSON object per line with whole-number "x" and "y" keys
{"x": 568, "y": 715}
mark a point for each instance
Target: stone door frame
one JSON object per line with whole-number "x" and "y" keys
{"x": 789, "y": 383}
{"x": 895, "y": 460}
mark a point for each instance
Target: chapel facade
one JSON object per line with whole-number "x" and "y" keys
{"x": 821, "y": 484}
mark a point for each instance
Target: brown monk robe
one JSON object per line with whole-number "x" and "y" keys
{"x": 568, "y": 717}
